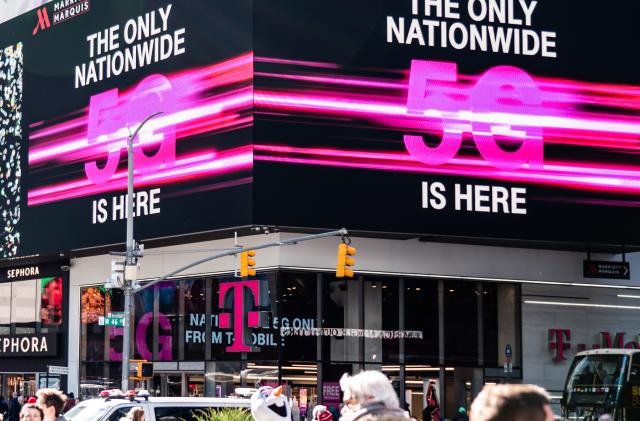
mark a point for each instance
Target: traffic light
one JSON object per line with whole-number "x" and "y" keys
{"x": 145, "y": 369}
{"x": 247, "y": 264}
{"x": 345, "y": 262}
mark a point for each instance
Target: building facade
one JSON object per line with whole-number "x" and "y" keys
{"x": 427, "y": 319}
{"x": 34, "y": 303}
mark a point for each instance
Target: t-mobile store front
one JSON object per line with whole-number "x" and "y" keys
{"x": 210, "y": 336}
{"x": 33, "y": 326}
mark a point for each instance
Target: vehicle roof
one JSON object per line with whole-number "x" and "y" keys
{"x": 238, "y": 402}
{"x": 609, "y": 351}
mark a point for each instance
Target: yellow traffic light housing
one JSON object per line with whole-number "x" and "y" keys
{"x": 345, "y": 261}
{"x": 247, "y": 264}
{"x": 145, "y": 370}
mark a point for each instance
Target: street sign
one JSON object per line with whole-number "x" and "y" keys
{"x": 605, "y": 269}
{"x": 56, "y": 369}
{"x": 111, "y": 321}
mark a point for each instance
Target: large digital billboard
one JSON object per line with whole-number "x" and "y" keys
{"x": 506, "y": 119}
{"x": 77, "y": 77}
{"x": 510, "y": 119}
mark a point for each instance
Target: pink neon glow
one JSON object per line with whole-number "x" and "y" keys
{"x": 598, "y": 124}
{"x": 561, "y": 174}
{"x": 195, "y": 103}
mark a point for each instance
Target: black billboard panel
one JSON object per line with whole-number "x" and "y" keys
{"x": 78, "y": 77}
{"x": 479, "y": 118}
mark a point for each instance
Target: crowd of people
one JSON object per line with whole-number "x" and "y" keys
{"x": 369, "y": 396}
{"x": 47, "y": 405}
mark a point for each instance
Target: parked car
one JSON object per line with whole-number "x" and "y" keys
{"x": 114, "y": 407}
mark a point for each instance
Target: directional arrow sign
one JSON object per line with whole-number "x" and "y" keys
{"x": 604, "y": 269}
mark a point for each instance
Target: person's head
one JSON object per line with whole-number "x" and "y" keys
{"x": 605, "y": 417}
{"x": 21, "y": 400}
{"x": 71, "y": 396}
{"x": 511, "y": 402}
{"x": 368, "y": 386}
{"x": 136, "y": 414}
{"x": 51, "y": 401}
{"x": 31, "y": 412}
{"x": 14, "y": 395}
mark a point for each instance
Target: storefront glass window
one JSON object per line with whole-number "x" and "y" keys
{"x": 297, "y": 298}
{"x": 168, "y": 321}
{"x": 342, "y": 310}
{"x": 5, "y": 308}
{"x": 421, "y": 317}
{"x": 461, "y": 323}
{"x": 50, "y": 303}
{"x": 144, "y": 330}
{"x": 260, "y": 295}
{"x": 500, "y": 324}
{"x": 23, "y": 308}
{"x": 195, "y": 315}
{"x": 381, "y": 320}
{"x": 188, "y": 331}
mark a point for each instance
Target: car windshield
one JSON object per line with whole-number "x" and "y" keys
{"x": 85, "y": 412}
{"x": 595, "y": 384}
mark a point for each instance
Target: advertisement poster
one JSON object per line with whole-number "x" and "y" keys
{"x": 78, "y": 77}
{"x": 493, "y": 119}
{"x": 477, "y": 118}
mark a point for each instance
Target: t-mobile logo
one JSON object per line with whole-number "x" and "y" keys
{"x": 242, "y": 318}
{"x": 43, "y": 20}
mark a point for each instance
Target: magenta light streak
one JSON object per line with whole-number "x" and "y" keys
{"x": 66, "y": 141}
{"x": 199, "y": 166}
{"x": 297, "y": 62}
{"x": 563, "y": 174}
{"x": 197, "y": 104}
{"x": 368, "y": 82}
{"x": 365, "y": 108}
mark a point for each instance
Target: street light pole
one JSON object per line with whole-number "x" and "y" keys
{"x": 132, "y": 253}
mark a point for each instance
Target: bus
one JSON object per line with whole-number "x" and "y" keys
{"x": 603, "y": 381}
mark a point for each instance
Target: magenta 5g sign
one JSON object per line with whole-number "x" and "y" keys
{"x": 501, "y": 91}
{"x": 109, "y": 116}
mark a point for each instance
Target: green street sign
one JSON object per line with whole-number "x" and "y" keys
{"x": 111, "y": 321}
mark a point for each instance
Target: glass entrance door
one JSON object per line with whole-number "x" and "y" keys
{"x": 166, "y": 384}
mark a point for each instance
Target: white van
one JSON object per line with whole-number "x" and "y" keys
{"x": 155, "y": 409}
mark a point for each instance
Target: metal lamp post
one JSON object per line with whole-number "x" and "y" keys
{"x": 132, "y": 253}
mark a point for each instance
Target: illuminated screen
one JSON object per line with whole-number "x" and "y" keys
{"x": 80, "y": 78}
{"x": 479, "y": 118}
{"x": 455, "y": 118}
{"x": 11, "y": 73}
